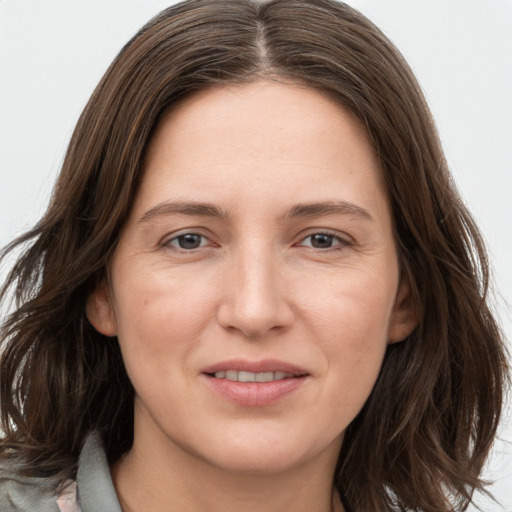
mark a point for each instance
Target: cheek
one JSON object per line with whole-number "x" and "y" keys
{"x": 159, "y": 317}
{"x": 352, "y": 308}
{"x": 350, "y": 319}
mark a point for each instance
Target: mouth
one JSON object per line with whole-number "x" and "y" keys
{"x": 255, "y": 383}
{"x": 243, "y": 376}
{"x": 267, "y": 370}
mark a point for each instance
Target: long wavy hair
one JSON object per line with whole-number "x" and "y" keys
{"x": 422, "y": 438}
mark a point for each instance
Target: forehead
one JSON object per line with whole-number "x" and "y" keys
{"x": 253, "y": 114}
{"x": 270, "y": 138}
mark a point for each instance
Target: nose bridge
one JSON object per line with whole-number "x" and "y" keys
{"x": 255, "y": 302}
{"x": 256, "y": 275}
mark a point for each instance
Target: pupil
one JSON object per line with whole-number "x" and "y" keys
{"x": 189, "y": 241}
{"x": 321, "y": 241}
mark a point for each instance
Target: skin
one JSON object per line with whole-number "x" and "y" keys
{"x": 271, "y": 278}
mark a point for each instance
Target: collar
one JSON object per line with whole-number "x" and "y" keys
{"x": 95, "y": 487}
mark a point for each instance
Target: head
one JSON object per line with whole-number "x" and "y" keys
{"x": 431, "y": 416}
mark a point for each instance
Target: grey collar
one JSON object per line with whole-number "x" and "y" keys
{"x": 95, "y": 488}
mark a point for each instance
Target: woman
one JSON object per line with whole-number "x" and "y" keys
{"x": 255, "y": 286}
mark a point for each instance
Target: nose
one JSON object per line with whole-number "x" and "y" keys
{"x": 254, "y": 301}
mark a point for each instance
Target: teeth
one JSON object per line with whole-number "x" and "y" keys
{"x": 237, "y": 376}
{"x": 246, "y": 377}
{"x": 232, "y": 375}
{"x": 265, "y": 377}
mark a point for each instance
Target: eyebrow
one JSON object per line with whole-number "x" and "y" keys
{"x": 184, "y": 208}
{"x": 328, "y": 208}
{"x": 298, "y": 210}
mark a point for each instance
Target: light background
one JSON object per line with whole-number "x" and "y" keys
{"x": 52, "y": 54}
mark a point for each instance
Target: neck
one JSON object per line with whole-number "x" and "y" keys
{"x": 148, "y": 479}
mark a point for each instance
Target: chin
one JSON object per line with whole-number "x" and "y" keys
{"x": 268, "y": 456}
{"x": 264, "y": 462}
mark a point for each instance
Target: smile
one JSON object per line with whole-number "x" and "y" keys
{"x": 241, "y": 376}
{"x": 254, "y": 383}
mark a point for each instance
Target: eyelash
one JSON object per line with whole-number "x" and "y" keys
{"x": 339, "y": 242}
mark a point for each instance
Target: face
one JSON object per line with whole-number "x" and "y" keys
{"x": 256, "y": 285}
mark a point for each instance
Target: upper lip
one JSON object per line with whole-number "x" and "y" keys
{"x": 264, "y": 365}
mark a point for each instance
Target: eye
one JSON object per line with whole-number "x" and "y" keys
{"x": 323, "y": 241}
{"x": 188, "y": 241}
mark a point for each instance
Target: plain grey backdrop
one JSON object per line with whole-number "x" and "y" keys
{"x": 52, "y": 54}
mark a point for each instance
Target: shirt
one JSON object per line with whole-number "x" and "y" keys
{"x": 93, "y": 490}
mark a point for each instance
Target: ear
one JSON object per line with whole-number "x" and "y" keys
{"x": 99, "y": 310}
{"x": 404, "y": 317}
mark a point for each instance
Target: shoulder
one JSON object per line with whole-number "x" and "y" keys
{"x": 93, "y": 484}
{"x": 24, "y": 494}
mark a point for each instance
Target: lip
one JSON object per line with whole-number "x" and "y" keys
{"x": 264, "y": 365}
{"x": 255, "y": 394}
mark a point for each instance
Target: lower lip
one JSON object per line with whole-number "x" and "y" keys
{"x": 253, "y": 394}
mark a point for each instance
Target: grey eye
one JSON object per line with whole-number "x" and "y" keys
{"x": 188, "y": 241}
{"x": 321, "y": 241}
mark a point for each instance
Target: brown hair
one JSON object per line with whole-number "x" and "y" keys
{"x": 421, "y": 439}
